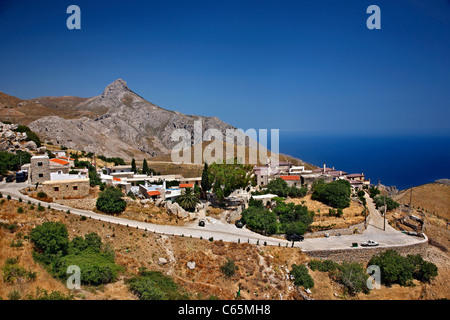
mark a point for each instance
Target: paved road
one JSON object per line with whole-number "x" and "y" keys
{"x": 227, "y": 232}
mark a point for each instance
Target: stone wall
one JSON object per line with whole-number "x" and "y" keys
{"x": 40, "y": 169}
{"x": 363, "y": 255}
{"x": 360, "y": 227}
{"x": 59, "y": 189}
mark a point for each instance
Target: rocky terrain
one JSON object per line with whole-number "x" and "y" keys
{"x": 12, "y": 141}
{"x": 118, "y": 122}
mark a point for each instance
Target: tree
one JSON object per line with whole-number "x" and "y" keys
{"x": 110, "y": 201}
{"x": 94, "y": 178}
{"x": 390, "y": 203}
{"x": 294, "y": 219}
{"x": 301, "y": 276}
{"x": 335, "y": 194}
{"x": 226, "y": 177}
{"x": 205, "y": 181}
{"x": 50, "y": 239}
{"x": 279, "y": 187}
{"x": 133, "y": 166}
{"x": 145, "y": 167}
{"x": 260, "y": 220}
{"x": 373, "y": 192}
{"x": 394, "y": 268}
{"x": 353, "y": 277}
{"x": 11, "y": 161}
{"x": 188, "y": 200}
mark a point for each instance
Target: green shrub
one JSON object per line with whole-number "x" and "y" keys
{"x": 324, "y": 266}
{"x": 153, "y": 285}
{"x": 301, "y": 276}
{"x": 42, "y": 294}
{"x": 260, "y": 220}
{"x": 41, "y": 195}
{"x": 14, "y": 295}
{"x": 395, "y": 268}
{"x": 390, "y": 203}
{"x": 352, "y": 276}
{"x": 96, "y": 267}
{"x": 335, "y": 194}
{"x": 110, "y": 201}
{"x": 50, "y": 239}
{"x": 228, "y": 268}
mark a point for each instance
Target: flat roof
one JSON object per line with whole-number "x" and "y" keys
{"x": 65, "y": 181}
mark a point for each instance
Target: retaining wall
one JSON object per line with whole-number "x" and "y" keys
{"x": 346, "y": 231}
{"x": 363, "y": 255}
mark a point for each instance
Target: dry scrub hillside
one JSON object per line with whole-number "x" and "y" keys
{"x": 432, "y": 197}
{"x": 263, "y": 272}
{"x": 352, "y": 215}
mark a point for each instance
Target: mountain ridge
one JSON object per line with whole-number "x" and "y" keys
{"x": 118, "y": 122}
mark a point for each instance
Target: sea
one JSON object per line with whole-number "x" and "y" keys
{"x": 398, "y": 160}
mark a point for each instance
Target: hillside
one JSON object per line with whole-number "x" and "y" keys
{"x": 432, "y": 197}
{"x": 117, "y": 122}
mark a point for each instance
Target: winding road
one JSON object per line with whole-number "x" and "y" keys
{"x": 228, "y": 232}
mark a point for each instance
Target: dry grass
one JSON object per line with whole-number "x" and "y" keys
{"x": 352, "y": 215}
{"x": 432, "y": 198}
{"x": 262, "y": 271}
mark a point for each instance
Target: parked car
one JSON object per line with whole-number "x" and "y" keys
{"x": 9, "y": 178}
{"x": 239, "y": 224}
{"x": 21, "y": 176}
{"x": 201, "y": 222}
{"x": 369, "y": 243}
{"x": 1, "y": 178}
{"x": 294, "y": 237}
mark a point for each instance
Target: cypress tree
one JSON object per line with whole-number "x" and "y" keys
{"x": 205, "y": 181}
{"x": 145, "y": 167}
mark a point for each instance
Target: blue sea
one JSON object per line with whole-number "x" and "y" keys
{"x": 401, "y": 161}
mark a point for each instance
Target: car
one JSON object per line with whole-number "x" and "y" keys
{"x": 294, "y": 237}
{"x": 369, "y": 243}
{"x": 239, "y": 224}
{"x": 10, "y": 178}
{"x": 21, "y": 176}
{"x": 201, "y": 222}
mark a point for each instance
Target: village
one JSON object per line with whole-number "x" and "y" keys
{"x": 71, "y": 181}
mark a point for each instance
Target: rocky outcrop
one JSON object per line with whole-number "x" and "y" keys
{"x": 443, "y": 181}
{"x": 176, "y": 210}
{"x": 12, "y": 141}
{"x": 121, "y": 123}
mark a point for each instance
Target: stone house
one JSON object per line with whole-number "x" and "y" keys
{"x": 292, "y": 181}
{"x": 70, "y": 188}
{"x": 40, "y": 169}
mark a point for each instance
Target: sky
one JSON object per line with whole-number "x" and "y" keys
{"x": 298, "y": 66}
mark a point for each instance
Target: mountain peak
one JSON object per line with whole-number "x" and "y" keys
{"x": 116, "y": 87}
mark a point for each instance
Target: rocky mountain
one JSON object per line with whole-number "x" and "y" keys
{"x": 118, "y": 122}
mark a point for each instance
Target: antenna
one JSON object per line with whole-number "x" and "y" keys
{"x": 410, "y": 200}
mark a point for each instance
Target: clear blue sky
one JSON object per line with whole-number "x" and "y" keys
{"x": 290, "y": 65}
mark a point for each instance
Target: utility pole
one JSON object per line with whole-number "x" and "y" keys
{"x": 385, "y": 209}
{"x": 410, "y": 201}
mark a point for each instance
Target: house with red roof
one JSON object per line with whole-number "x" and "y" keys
{"x": 59, "y": 165}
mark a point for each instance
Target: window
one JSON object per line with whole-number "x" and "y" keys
{"x": 41, "y": 175}
{"x": 75, "y": 187}
{"x": 39, "y": 164}
{"x": 56, "y": 189}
